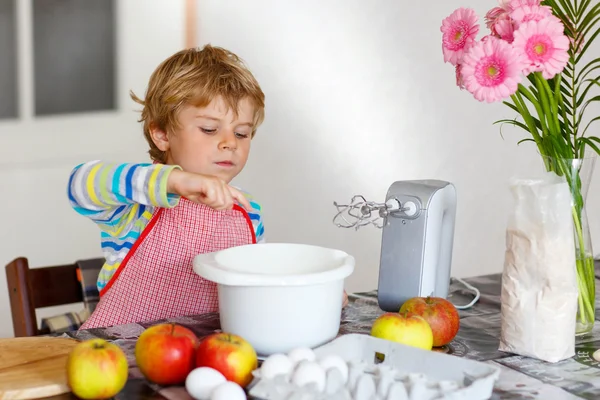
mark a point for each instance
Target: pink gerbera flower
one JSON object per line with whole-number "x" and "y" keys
{"x": 505, "y": 30}
{"x": 543, "y": 45}
{"x": 459, "y": 32}
{"x": 491, "y": 70}
{"x": 528, "y": 13}
{"x": 514, "y": 4}
{"x": 494, "y": 16}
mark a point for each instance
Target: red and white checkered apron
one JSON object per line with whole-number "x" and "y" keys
{"x": 156, "y": 279}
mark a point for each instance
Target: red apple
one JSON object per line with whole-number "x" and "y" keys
{"x": 441, "y": 315}
{"x": 165, "y": 353}
{"x": 229, "y": 354}
{"x": 96, "y": 369}
{"x": 404, "y": 328}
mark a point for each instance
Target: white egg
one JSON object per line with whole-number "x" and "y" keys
{"x": 308, "y": 372}
{"x": 276, "y": 364}
{"x": 228, "y": 391}
{"x": 335, "y": 361}
{"x": 202, "y": 381}
{"x": 300, "y": 354}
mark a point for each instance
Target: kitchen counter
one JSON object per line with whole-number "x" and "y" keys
{"x": 521, "y": 377}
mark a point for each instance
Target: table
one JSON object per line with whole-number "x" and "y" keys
{"x": 478, "y": 339}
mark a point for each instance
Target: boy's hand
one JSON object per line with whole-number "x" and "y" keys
{"x": 345, "y": 299}
{"x": 205, "y": 189}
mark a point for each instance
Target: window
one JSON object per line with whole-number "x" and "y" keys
{"x": 9, "y": 101}
{"x": 74, "y": 56}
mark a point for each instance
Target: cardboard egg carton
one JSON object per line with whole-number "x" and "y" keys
{"x": 405, "y": 373}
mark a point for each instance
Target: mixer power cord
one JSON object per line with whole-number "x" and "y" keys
{"x": 473, "y": 289}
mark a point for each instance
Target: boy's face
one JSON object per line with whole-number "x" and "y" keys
{"x": 210, "y": 140}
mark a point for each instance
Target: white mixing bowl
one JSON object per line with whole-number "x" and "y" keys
{"x": 278, "y": 296}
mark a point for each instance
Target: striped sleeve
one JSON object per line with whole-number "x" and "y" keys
{"x": 115, "y": 195}
{"x": 256, "y": 218}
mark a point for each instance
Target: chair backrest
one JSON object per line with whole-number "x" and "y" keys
{"x": 32, "y": 288}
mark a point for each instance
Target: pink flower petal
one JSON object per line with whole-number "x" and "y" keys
{"x": 493, "y": 16}
{"x": 491, "y": 70}
{"x": 505, "y": 30}
{"x": 526, "y": 13}
{"x": 513, "y": 4}
{"x": 458, "y": 34}
{"x": 543, "y": 45}
{"x": 459, "y": 81}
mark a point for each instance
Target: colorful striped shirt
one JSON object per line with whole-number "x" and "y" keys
{"x": 122, "y": 198}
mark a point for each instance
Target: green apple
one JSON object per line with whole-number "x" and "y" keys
{"x": 96, "y": 369}
{"x": 405, "y": 328}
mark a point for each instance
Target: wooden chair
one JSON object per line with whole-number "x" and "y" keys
{"x": 30, "y": 289}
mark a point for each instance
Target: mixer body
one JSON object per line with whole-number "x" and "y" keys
{"x": 417, "y": 242}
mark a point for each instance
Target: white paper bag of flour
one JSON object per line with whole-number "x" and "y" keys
{"x": 539, "y": 281}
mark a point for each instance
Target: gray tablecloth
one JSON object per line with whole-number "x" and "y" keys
{"x": 478, "y": 339}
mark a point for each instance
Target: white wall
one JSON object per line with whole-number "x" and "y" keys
{"x": 358, "y": 97}
{"x": 37, "y": 154}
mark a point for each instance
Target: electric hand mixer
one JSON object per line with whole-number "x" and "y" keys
{"x": 418, "y": 219}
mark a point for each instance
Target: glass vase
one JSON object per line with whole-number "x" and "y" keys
{"x": 578, "y": 173}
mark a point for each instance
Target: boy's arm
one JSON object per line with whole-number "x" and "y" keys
{"x": 115, "y": 195}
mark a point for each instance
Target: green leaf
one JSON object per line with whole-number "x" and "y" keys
{"x": 585, "y": 105}
{"x": 566, "y": 91}
{"x": 589, "y": 142}
{"x": 568, "y": 7}
{"x": 558, "y": 11}
{"x": 585, "y": 77}
{"x": 583, "y": 7}
{"x": 591, "y": 83}
{"x": 586, "y": 46}
{"x": 593, "y": 138}
{"x": 567, "y": 73}
{"x": 525, "y": 140}
{"x": 588, "y": 65}
{"x": 589, "y": 123}
{"x": 510, "y": 105}
{"x": 585, "y": 30}
{"x": 512, "y": 122}
{"x": 513, "y": 107}
{"x": 568, "y": 111}
{"x": 533, "y": 91}
{"x": 589, "y": 16}
{"x": 567, "y": 107}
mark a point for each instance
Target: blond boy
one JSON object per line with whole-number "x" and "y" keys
{"x": 200, "y": 112}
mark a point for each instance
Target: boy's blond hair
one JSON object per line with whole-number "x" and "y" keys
{"x": 195, "y": 77}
